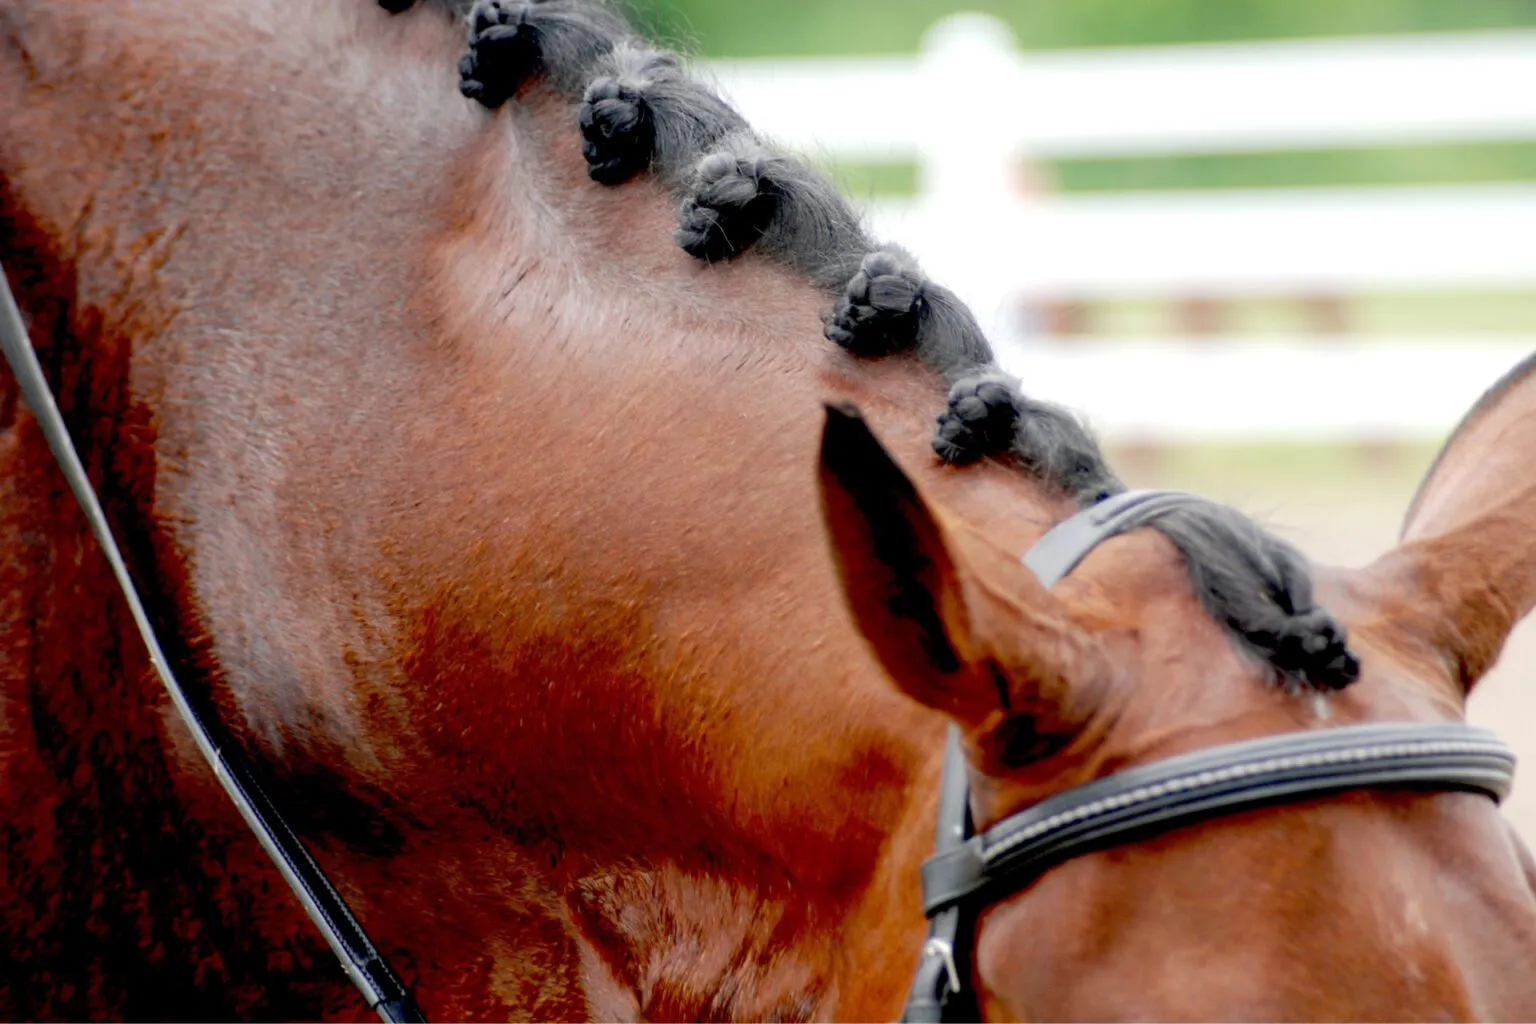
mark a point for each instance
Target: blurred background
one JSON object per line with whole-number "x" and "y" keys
{"x": 1270, "y": 249}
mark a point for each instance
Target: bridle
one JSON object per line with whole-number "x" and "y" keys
{"x": 967, "y": 872}
{"x": 363, "y": 963}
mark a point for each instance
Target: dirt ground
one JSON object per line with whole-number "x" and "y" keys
{"x": 1344, "y": 506}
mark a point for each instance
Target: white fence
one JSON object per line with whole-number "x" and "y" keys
{"x": 1300, "y": 389}
{"x": 970, "y": 109}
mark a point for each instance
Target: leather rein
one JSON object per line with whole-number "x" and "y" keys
{"x": 363, "y": 963}
{"x": 968, "y": 871}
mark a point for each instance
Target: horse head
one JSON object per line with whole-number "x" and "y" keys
{"x": 1352, "y": 905}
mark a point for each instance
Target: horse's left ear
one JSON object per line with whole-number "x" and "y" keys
{"x": 962, "y": 646}
{"x": 1465, "y": 573}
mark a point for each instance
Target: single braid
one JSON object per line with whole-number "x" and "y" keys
{"x": 982, "y": 419}
{"x": 643, "y": 111}
{"x": 881, "y": 309}
{"x": 890, "y": 305}
{"x": 618, "y": 130}
{"x": 511, "y": 41}
{"x": 732, "y": 203}
{"x": 745, "y": 194}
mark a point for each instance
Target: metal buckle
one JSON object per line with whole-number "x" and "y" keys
{"x": 944, "y": 951}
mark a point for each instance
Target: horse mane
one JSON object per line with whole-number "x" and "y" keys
{"x": 642, "y": 111}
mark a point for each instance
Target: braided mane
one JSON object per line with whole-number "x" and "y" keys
{"x": 642, "y": 112}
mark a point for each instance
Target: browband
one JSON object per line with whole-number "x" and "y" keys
{"x": 1211, "y": 782}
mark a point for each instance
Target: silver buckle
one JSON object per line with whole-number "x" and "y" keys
{"x": 942, "y": 949}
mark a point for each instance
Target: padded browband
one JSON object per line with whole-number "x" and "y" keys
{"x": 1212, "y": 782}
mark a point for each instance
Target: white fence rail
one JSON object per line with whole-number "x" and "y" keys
{"x": 1248, "y": 242}
{"x": 970, "y": 109}
{"x": 1273, "y": 389}
{"x": 1168, "y": 99}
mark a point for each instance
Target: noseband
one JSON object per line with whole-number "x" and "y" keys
{"x": 970, "y": 871}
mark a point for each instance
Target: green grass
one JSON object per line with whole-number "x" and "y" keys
{"x": 1395, "y": 165}
{"x": 870, "y": 180}
{"x": 1462, "y": 164}
{"x": 753, "y": 28}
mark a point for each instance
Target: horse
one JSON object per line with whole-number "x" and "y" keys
{"x": 533, "y": 478}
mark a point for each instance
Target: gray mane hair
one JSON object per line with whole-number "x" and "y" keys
{"x": 642, "y": 112}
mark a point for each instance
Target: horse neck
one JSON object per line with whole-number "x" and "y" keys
{"x": 469, "y": 444}
{"x": 641, "y": 526}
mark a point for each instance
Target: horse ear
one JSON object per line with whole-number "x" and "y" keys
{"x": 899, "y": 578}
{"x": 962, "y": 647}
{"x": 1467, "y": 563}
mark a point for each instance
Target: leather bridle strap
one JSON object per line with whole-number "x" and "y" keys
{"x": 938, "y": 982}
{"x": 1064, "y": 545}
{"x": 363, "y": 963}
{"x": 967, "y": 871}
{"x": 1208, "y": 783}
{"x": 938, "y": 988}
